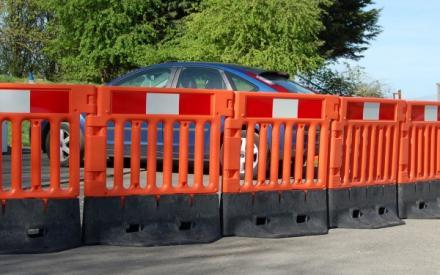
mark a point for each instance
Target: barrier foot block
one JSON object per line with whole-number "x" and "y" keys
{"x": 419, "y": 200}
{"x": 151, "y": 221}
{"x": 363, "y": 207}
{"x": 31, "y": 226}
{"x": 275, "y": 214}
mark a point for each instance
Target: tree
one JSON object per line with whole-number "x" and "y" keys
{"x": 22, "y": 38}
{"x": 96, "y": 40}
{"x": 353, "y": 81}
{"x": 349, "y": 26}
{"x": 274, "y": 34}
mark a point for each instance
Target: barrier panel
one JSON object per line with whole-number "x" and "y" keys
{"x": 363, "y": 163}
{"x": 171, "y": 125}
{"x": 35, "y": 217}
{"x": 419, "y": 162}
{"x": 275, "y": 164}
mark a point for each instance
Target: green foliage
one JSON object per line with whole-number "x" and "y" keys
{"x": 25, "y": 132}
{"x": 349, "y": 26}
{"x": 96, "y": 40}
{"x": 10, "y": 79}
{"x": 274, "y": 34}
{"x": 22, "y": 38}
{"x": 352, "y": 81}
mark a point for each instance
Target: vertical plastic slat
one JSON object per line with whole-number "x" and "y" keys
{"x": 168, "y": 154}
{"x": 413, "y": 151}
{"x": 311, "y": 154}
{"x": 75, "y": 155}
{"x": 432, "y": 152}
{"x": 388, "y": 146}
{"x": 249, "y": 155}
{"x": 118, "y": 167}
{"x": 16, "y": 152}
{"x": 199, "y": 154}
{"x": 35, "y": 155}
{"x": 151, "y": 165}
{"x": 365, "y": 157}
{"x": 348, "y": 153}
{"x": 262, "y": 157}
{"x": 323, "y": 155}
{"x": 372, "y": 163}
{"x": 356, "y": 153}
{"x": 426, "y": 152}
{"x": 299, "y": 156}
{"x": 55, "y": 154}
{"x": 287, "y": 154}
{"x": 135, "y": 157}
{"x": 275, "y": 154}
{"x": 183, "y": 154}
{"x": 420, "y": 152}
{"x": 214, "y": 158}
{"x": 380, "y": 154}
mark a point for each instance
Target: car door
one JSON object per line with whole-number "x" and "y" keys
{"x": 197, "y": 77}
{"x": 160, "y": 77}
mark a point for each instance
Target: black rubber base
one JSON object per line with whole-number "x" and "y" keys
{"x": 275, "y": 214}
{"x": 419, "y": 200}
{"x": 363, "y": 207}
{"x": 28, "y": 226}
{"x": 146, "y": 221}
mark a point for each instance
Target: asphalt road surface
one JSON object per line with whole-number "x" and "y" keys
{"x": 413, "y": 248}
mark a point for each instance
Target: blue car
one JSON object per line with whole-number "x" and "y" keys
{"x": 195, "y": 75}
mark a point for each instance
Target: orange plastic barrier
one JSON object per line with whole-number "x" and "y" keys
{"x": 363, "y": 163}
{"x": 178, "y": 210}
{"x": 36, "y": 217}
{"x": 419, "y": 161}
{"x": 275, "y": 164}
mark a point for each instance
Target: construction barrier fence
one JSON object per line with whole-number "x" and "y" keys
{"x": 419, "y": 161}
{"x": 275, "y": 159}
{"x": 174, "y": 166}
{"x": 364, "y": 163}
{"x": 159, "y": 123}
{"x": 36, "y": 217}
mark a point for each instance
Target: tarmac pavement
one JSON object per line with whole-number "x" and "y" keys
{"x": 413, "y": 248}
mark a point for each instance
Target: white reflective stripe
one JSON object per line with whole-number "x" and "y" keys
{"x": 371, "y": 111}
{"x": 162, "y": 104}
{"x": 285, "y": 108}
{"x": 15, "y": 101}
{"x": 431, "y": 113}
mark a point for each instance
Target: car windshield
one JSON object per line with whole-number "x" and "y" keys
{"x": 284, "y": 81}
{"x": 292, "y": 86}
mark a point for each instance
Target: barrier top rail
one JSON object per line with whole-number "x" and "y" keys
{"x": 164, "y": 101}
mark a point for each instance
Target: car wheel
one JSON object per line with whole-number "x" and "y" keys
{"x": 243, "y": 155}
{"x": 64, "y": 144}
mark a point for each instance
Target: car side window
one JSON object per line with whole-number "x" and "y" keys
{"x": 152, "y": 78}
{"x": 240, "y": 84}
{"x": 200, "y": 78}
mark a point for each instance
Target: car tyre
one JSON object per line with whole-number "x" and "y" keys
{"x": 64, "y": 144}
{"x": 243, "y": 154}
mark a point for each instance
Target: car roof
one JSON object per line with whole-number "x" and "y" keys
{"x": 217, "y": 65}
{"x": 209, "y": 64}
